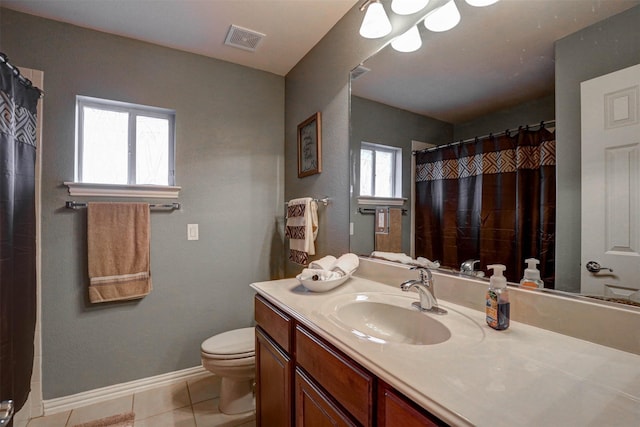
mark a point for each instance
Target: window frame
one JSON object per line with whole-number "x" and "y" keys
{"x": 134, "y": 111}
{"x": 396, "y": 184}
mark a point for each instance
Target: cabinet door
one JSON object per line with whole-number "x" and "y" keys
{"x": 394, "y": 410}
{"x": 347, "y": 383}
{"x": 273, "y": 383}
{"x": 314, "y": 408}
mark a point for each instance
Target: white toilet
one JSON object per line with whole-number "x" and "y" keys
{"x": 232, "y": 356}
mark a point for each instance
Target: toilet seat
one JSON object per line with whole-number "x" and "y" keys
{"x": 231, "y": 356}
{"x": 231, "y": 345}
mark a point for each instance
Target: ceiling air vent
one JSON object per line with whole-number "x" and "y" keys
{"x": 243, "y": 38}
{"x": 359, "y": 71}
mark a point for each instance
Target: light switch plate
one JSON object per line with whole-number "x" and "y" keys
{"x": 192, "y": 232}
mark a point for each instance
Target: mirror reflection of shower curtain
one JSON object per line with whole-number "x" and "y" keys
{"x": 492, "y": 200}
{"x": 17, "y": 235}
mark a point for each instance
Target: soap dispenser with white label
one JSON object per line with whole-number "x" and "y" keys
{"x": 497, "y": 302}
{"x": 531, "y": 277}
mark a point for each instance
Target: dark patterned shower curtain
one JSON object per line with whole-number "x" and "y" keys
{"x": 17, "y": 233}
{"x": 492, "y": 200}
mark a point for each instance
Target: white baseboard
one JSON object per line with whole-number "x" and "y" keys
{"x": 66, "y": 403}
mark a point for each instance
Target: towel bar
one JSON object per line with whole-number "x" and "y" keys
{"x": 79, "y": 205}
{"x": 372, "y": 211}
{"x": 324, "y": 201}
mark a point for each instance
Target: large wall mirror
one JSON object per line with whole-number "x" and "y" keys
{"x": 506, "y": 66}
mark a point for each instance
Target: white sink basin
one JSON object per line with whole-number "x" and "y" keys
{"x": 386, "y": 318}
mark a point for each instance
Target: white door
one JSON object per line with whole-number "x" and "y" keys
{"x": 610, "y": 107}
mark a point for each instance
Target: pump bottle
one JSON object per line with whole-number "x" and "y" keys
{"x": 497, "y": 302}
{"x": 531, "y": 277}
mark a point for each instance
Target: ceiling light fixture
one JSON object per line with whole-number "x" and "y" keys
{"x": 444, "y": 18}
{"x": 481, "y": 3}
{"x": 408, "y": 42}
{"x": 376, "y": 23}
{"x": 408, "y": 7}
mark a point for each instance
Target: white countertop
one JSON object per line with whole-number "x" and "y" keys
{"x": 523, "y": 376}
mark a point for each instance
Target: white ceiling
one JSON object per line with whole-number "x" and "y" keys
{"x": 292, "y": 27}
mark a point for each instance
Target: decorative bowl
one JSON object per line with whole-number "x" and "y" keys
{"x": 322, "y": 285}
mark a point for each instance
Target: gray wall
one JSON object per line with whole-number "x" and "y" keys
{"x": 602, "y": 48}
{"x": 381, "y": 124}
{"x": 229, "y": 161}
{"x": 527, "y": 113}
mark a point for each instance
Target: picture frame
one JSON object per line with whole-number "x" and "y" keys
{"x": 310, "y": 146}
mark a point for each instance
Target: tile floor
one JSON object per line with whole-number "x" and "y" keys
{"x": 187, "y": 404}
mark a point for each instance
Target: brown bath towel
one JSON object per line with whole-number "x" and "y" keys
{"x": 118, "y": 236}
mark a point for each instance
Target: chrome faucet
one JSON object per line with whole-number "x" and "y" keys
{"x": 468, "y": 267}
{"x": 424, "y": 284}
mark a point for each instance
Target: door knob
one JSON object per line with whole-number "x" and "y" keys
{"x": 6, "y": 412}
{"x": 594, "y": 267}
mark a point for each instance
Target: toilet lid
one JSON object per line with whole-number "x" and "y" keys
{"x": 238, "y": 343}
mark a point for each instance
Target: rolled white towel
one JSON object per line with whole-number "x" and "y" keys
{"x": 346, "y": 264}
{"x": 424, "y": 262}
{"x": 393, "y": 256}
{"x": 318, "y": 274}
{"x": 324, "y": 263}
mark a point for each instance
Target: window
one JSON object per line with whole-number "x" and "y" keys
{"x": 124, "y": 144}
{"x": 380, "y": 167}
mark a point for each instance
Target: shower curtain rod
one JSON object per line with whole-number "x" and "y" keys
{"x": 16, "y": 72}
{"x": 465, "y": 141}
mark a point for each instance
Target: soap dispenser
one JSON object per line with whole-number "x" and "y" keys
{"x": 497, "y": 303}
{"x": 531, "y": 277}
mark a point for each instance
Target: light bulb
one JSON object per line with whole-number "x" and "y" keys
{"x": 375, "y": 24}
{"x": 409, "y": 41}
{"x": 407, "y": 7}
{"x": 443, "y": 18}
{"x": 481, "y": 3}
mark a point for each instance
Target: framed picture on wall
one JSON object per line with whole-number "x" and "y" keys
{"x": 310, "y": 146}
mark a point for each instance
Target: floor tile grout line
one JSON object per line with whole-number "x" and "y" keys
{"x": 193, "y": 413}
{"x": 68, "y": 418}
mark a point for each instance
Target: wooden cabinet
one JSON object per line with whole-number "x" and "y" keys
{"x": 273, "y": 383}
{"x": 395, "y": 410}
{"x": 274, "y": 367}
{"x": 314, "y": 408}
{"x": 350, "y": 385}
{"x": 303, "y": 380}
{"x": 275, "y": 323}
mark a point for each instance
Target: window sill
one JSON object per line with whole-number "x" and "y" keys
{"x": 119, "y": 190}
{"x": 382, "y": 201}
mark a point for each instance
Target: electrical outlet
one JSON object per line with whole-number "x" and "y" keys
{"x": 192, "y": 232}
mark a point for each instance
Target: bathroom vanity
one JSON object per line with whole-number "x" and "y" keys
{"x": 361, "y": 355}
{"x": 326, "y": 384}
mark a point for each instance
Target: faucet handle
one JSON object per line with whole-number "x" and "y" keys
{"x": 468, "y": 266}
{"x": 424, "y": 272}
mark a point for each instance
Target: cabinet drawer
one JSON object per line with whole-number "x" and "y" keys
{"x": 350, "y": 385}
{"x": 395, "y": 409}
{"x": 274, "y": 322}
{"x": 314, "y": 408}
